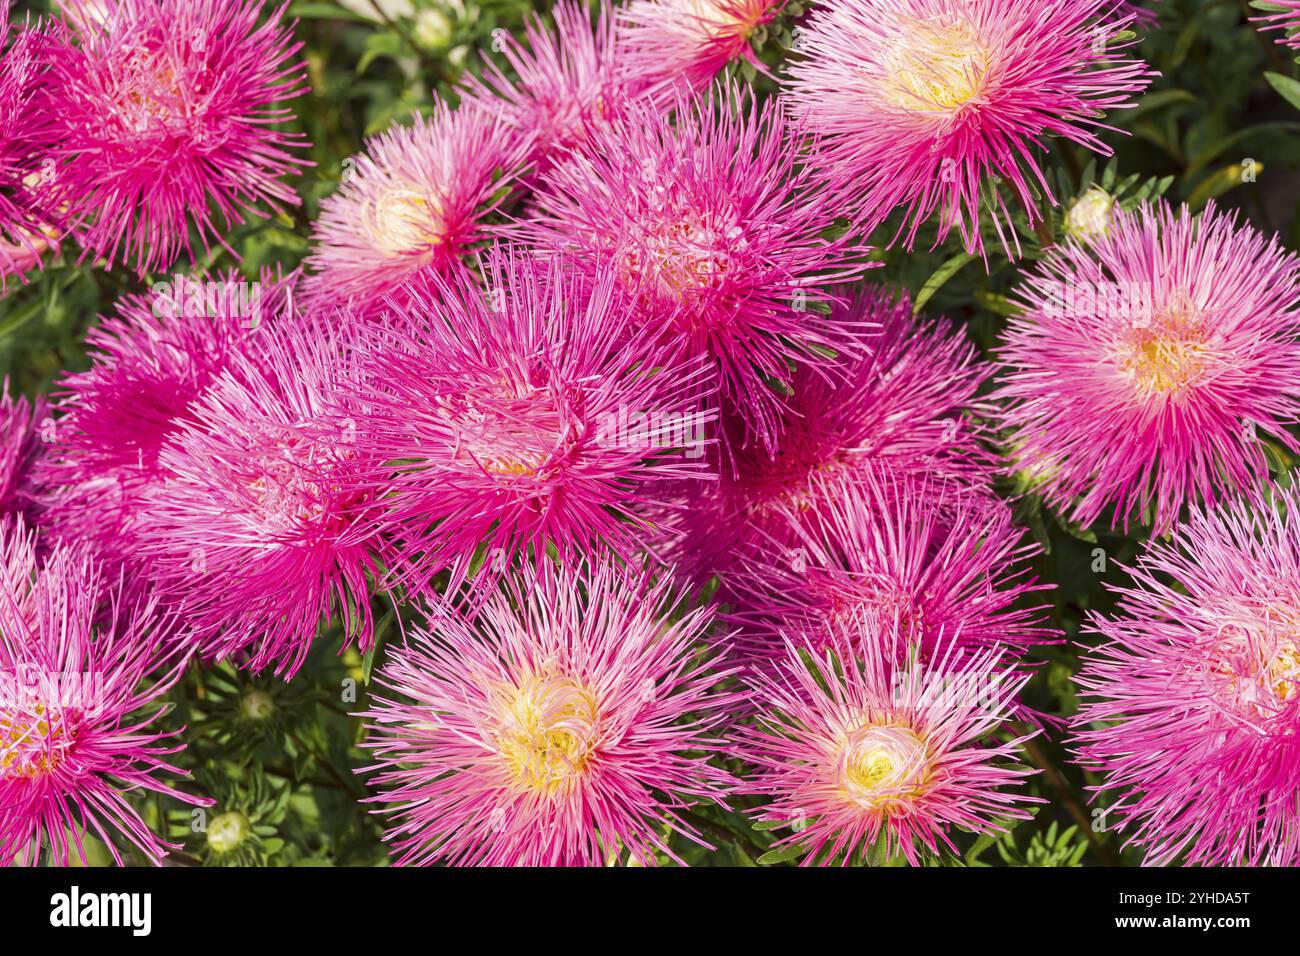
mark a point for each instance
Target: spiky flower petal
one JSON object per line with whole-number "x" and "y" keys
{"x": 1149, "y": 367}
{"x": 866, "y": 745}
{"x": 563, "y": 725}
{"x": 921, "y": 103}
{"x": 1192, "y": 705}
{"x": 706, "y": 219}
{"x": 79, "y": 691}
{"x": 166, "y": 113}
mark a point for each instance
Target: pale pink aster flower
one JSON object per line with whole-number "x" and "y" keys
{"x": 149, "y": 363}
{"x": 260, "y": 531}
{"x": 1192, "y": 705}
{"x": 567, "y": 80}
{"x": 899, "y": 408}
{"x": 1149, "y": 364}
{"x": 950, "y": 566}
{"x": 513, "y": 418}
{"x": 419, "y": 198}
{"x": 563, "y": 725}
{"x": 708, "y": 220}
{"x": 1283, "y": 15}
{"x": 922, "y": 103}
{"x": 864, "y": 741}
{"x": 76, "y": 711}
{"x": 20, "y": 428}
{"x": 26, "y": 133}
{"x": 690, "y": 41}
{"x": 166, "y": 113}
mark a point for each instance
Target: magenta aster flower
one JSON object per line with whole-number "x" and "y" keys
{"x": 20, "y": 424}
{"x": 708, "y": 222}
{"x": 1283, "y": 15}
{"x": 511, "y": 418}
{"x": 690, "y": 41}
{"x": 1148, "y": 365}
{"x": 1192, "y": 706}
{"x": 949, "y": 565}
{"x": 149, "y": 363}
{"x": 166, "y": 114}
{"x": 898, "y": 408}
{"x": 922, "y": 103}
{"x": 569, "y": 80}
{"x": 865, "y": 742}
{"x": 260, "y": 531}
{"x": 417, "y": 199}
{"x": 26, "y": 132}
{"x": 75, "y": 711}
{"x": 564, "y": 725}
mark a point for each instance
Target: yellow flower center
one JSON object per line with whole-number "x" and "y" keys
{"x": 548, "y": 732}
{"x": 1167, "y": 356}
{"x": 882, "y": 767}
{"x": 936, "y": 67}
{"x": 404, "y": 220}
{"x": 33, "y": 742}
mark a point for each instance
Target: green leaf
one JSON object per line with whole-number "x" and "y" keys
{"x": 938, "y": 278}
{"x": 1289, "y": 88}
{"x": 1219, "y": 183}
{"x": 784, "y": 855}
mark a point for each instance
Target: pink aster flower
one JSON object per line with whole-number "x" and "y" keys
{"x": 922, "y": 103}
{"x": 569, "y": 80}
{"x": 1148, "y": 365}
{"x": 26, "y": 132}
{"x": 565, "y": 724}
{"x": 149, "y": 363}
{"x": 951, "y": 566}
{"x": 166, "y": 113}
{"x": 511, "y": 418}
{"x": 689, "y": 41}
{"x": 1192, "y": 705}
{"x": 898, "y": 408}
{"x": 1283, "y": 15}
{"x": 76, "y": 711}
{"x": 865, "y": 742}
{"x": 418, "y": 199}
{"x": 708, "y": 221}
{"x": 259, "y": 532}
{"x": 20, "y": 425}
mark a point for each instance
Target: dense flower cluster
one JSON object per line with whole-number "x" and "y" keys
{"x": 589, "y": 423}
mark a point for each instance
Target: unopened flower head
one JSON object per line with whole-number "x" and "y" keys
{"x": 1089, "y": 216}
{"x": 564, "y": 724}
{"x": 1161, "y": 394}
